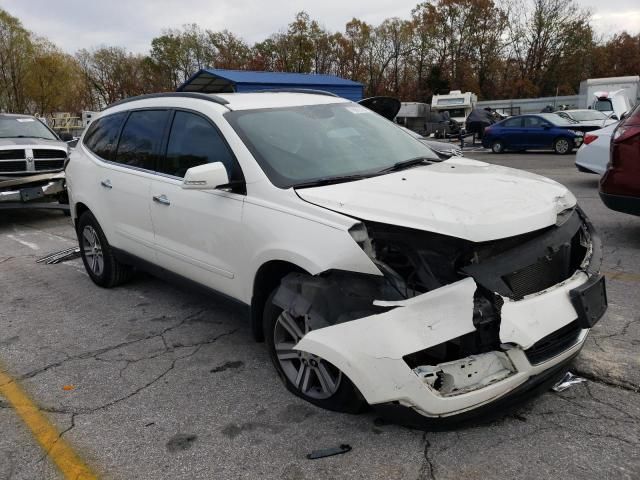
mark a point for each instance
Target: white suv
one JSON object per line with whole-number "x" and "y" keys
{"x": 376, "y": 273}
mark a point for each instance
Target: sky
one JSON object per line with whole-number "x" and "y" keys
{"x": 76, "y": 24}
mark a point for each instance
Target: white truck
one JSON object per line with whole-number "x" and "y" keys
{"x": 457, "y": 103}
{"x": 598, "y": 93}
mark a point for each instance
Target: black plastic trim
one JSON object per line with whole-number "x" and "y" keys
{"x": 489, "y": 273}
{"x": 310, "y": 91}
{"x": 200, "y": 96}
{"x": 621, "y": 203}
{"x": 178, "y": 280}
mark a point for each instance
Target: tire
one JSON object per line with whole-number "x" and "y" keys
{"x": 562, "y": 146}
{"x": 98, "y": 256}
{"x": 497, "y": 146}
{"x": 345, "y": 397}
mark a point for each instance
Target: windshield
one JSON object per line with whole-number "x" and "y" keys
{"x": 454, "y": 112}
{"x": 586, "y": 115}
{"x": 27, "y": 127}
{"x": 299, "y": 145}
{"x": 603, "y": 105}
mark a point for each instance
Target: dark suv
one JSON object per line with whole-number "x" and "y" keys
{"x": 620, "y": 185}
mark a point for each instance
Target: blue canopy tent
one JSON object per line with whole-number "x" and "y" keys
{"x": 223, "y": 81}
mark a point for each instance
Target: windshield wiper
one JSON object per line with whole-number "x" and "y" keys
{"x": 406, "y": 164}
{"x": 329, "y": 181}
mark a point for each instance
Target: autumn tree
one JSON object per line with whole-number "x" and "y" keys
{"x": 495, "y": 48}
{"x": 16, "y": 52}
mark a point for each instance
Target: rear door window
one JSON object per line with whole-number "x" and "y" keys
{"x": 195, "y": 141}
{"x": 102, "y": 136}
{"x": 141, "y": 139}
{"x": 512, "y": 123}
{"x": 533, "y": 122}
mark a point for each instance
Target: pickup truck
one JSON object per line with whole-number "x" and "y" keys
{"x": 32, "y": 161}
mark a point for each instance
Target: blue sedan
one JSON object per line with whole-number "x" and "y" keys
{"x": 544, "y": 131}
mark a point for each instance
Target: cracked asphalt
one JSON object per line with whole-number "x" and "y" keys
{"x": 151, "y": 381}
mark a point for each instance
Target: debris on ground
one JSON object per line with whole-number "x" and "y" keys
{"x": 61, "y": 256}
{"x": 567, "y": 381}
{"x": 329, "y": 452}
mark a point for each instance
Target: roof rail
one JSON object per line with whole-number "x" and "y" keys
{"x": 198, "y": 95}
{"x": 298, "y": 90}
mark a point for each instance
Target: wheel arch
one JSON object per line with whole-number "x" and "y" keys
{"x": 266, "y": 279}
{"x": 79, "y": 209}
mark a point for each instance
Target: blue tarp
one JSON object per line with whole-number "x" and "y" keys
{"x": 221, "y": 81}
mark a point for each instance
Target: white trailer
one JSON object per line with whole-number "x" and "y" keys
{"x": 458, "y": 104}
{"x": 596, "y": 93}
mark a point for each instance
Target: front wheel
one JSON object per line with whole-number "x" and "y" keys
{"x": 306, "y": 375}
{"x": 497, "y": 146}
{"x": 562, "y": 146}
{"x": 98, "y": 256}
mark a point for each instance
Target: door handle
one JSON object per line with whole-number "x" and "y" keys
{"x": 106, "y": 184}
{"x": 161, "y": 199}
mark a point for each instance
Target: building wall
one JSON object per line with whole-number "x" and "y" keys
{"x": 532, "y": 105}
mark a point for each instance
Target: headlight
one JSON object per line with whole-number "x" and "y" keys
{"x": 359, "y": 233}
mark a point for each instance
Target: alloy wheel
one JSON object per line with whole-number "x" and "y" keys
{"x": 310, "y": 374}
{"x": 562, "y": 145}
{"x": 92, "y": 250}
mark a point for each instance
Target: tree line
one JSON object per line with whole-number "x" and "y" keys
{"x": 497, "y": 49}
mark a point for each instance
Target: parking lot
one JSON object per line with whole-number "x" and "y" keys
{"x": 149, "y": 380}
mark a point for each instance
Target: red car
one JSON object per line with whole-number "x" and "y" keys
{"x": 620, "y": 185}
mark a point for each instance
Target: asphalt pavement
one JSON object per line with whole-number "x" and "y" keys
{"x": 152, "y": 381}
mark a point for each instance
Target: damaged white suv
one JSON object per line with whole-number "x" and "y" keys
{"x": 376, "y": 273}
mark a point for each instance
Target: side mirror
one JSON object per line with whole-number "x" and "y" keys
{"x": 205, "y": 177}
{"x": 65, "y": 136}
{"x": 546, "y": 126}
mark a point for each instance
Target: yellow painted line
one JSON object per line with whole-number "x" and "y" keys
{"x": 60, "y": 452}
{"x": 623, "y": 276}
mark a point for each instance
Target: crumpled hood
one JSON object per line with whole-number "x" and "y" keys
{"x": 459, "y": 197}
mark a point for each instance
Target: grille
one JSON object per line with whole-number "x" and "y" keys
{"x": 548, "y": 271}
{"x": 543, "y": 274}
{"x": 49, "y": 164}
{"x": 12, "y": 166}
{"x": 11, "y": 154}
{"x": 46, "y": 153}
{"x": 554, "y": 344}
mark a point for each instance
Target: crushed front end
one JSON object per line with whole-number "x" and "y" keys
{"x": 32, "y": 175}
{"x": 453, "y": 326}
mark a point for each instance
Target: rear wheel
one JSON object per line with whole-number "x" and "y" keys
{"x": 98, "y": 256}
{"x": 306, "y": 375}
{"x": 562, "y": 146}
{"x": 497, "y": 146}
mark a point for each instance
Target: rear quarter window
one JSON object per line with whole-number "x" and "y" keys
{"x": 102, "y": 136}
